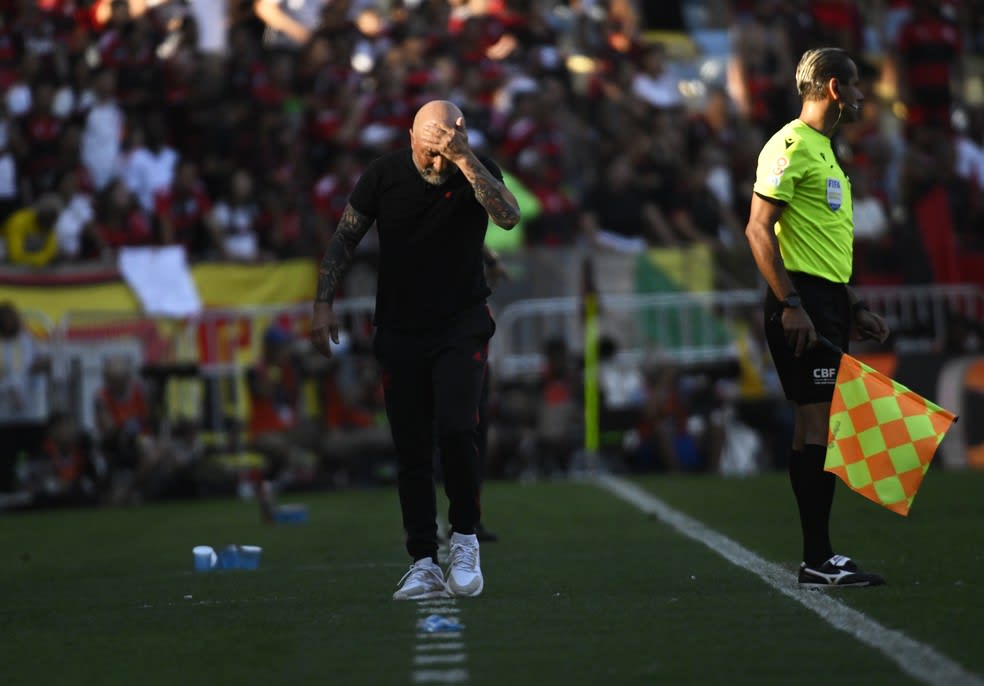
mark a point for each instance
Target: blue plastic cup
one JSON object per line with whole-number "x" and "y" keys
{"x": 249, "y": 556}
{"x": 229, "y": 557}
{"x": 205, "y": 558}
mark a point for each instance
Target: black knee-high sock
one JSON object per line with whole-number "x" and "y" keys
{"x": 814, "y": 491}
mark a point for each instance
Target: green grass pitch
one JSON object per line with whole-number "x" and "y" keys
{"x": 582, "y": 589}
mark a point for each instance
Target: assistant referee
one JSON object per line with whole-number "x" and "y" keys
{"x": 801, "y": 233}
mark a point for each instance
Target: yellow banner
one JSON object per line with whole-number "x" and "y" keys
{"x": 55, "y": 301}
{"x": 242, "y": 285}
{"x": 219, "y": 285}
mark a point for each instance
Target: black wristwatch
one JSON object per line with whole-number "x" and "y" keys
{"x": 791, "y": 300}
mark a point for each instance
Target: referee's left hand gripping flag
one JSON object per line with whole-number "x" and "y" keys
{"x": 882, "y": 436}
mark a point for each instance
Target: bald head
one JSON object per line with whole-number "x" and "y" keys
{"x": 436, "y": 125}
{"x": 442, "y": 111}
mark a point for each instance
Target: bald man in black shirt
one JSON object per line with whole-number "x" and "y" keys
{"x": 431, "y": 204}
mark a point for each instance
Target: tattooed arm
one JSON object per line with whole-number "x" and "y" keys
{"x": 492, "y": 194}
{"x": 338, "y": 256}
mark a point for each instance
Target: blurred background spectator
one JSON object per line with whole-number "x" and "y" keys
{"x": 23, "y": 364}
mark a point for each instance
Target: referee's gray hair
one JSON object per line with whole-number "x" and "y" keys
{"x": 815, "y": 69}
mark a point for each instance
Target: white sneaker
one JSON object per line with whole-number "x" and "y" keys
{"x": 464, "y": 566}
{"x": 422, "y": 581}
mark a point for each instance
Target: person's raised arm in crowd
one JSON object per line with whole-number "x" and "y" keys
{"x": 273, "y": 15}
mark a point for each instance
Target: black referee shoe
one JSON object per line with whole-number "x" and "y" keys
{"x": 838, "y": 571}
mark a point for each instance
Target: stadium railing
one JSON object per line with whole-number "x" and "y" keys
{"x": 692, "y": 327}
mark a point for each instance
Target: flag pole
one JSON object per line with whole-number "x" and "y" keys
{"x": 592, "y": 413}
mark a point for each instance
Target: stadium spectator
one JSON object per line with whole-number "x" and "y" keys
{"x": 102, "y": 136}
{"x": 235, "y": 219}
{"x": 651, "y": 444}
{"x": 275, "y": 427}
{"x": 74, "y": 226}
{"x": 183, "y": 212}
{"x": 554, "y": 437}
{"x": 654, "y": 84}
{"x": 289, "y": 24}
{"x": 149, "y": 163}
{"x": 30, "y": 233}
{"x": 125, "y": 431}
{"x": 40, "y": 140}
{"x": 65, "y": 470}
{"x": 619, "y": 215}
{"x": 9, "y": 183}
{"x": 928, "y": 57}
{"x": 23, "y": 392}
{"x": 119, "y": 220}
{"x": 760, "y": 65}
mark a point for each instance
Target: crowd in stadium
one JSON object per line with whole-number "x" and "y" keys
{"x": 132, "y": 123}
{"x": 237, "y": 129}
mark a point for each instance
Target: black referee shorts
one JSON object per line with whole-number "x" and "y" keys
{"x": 810, "y": 378}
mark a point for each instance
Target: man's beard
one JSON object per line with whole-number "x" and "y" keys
{"x": 434, "y": 178}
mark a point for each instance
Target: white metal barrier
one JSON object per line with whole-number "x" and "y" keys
{"x": 219, "y": 344}
{"x": 700, "y": 327}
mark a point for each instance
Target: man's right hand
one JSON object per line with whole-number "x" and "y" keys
{"x": 798, "y": 327}
{"x": 324, "y": 326}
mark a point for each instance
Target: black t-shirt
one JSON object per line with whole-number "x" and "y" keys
{"x": 430, "y": 242}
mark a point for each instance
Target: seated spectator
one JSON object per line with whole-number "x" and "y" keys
{"x": 654, "y": 84}
{"x": 652, "y": 445}
{"x": 353, "y": 416}
{"x": 555, "y": 434}
{"x": 74, "y": 226}
{"x": 30, "y": 233}
{"x": 64, "y": 471}
{"x": 183, "y": 212}
{"x": 274, "y": 423}
{"x": 119, "y": 220}
{"x": 619, "y": 215}
{"x": 148, "y": 163}
{"x": 235, "y": 218}
{"x": 124, "y": 427}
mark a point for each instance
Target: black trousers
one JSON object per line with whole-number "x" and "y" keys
{"x": 432, "y": 382}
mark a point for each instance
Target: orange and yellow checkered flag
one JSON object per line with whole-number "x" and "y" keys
{"x": 882, "y": 435}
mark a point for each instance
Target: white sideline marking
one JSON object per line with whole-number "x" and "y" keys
{"x": 915, "y": 659}
{"x": 448, "y": 645}
{"x": 436, "y": 602}
{"x": 435, "y": 636}
{"x": 439, "y": 611}
{"x": 452, "y": 659}
{"x": 440, "y": 676}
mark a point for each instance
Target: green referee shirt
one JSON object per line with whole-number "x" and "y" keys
{"x": 816, "y": 230}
